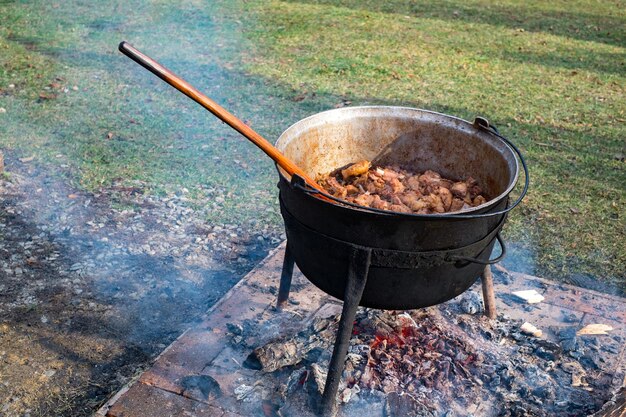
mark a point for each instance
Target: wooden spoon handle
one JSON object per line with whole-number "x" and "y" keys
{"x": 223, "y": 114}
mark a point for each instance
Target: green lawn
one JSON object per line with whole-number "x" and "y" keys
{"x": 551, "y": 75}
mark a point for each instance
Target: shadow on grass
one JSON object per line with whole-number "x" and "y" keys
{"x": 584, "y": 26}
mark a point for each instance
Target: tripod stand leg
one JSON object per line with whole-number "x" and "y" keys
{"x": 285, "y": 279}
{"x": 357, "y": 277}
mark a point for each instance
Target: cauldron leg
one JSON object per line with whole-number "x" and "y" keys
{"x": 285, "y": 279}
{"x": 357, "y": 277}
{"x": 489, "y": 297}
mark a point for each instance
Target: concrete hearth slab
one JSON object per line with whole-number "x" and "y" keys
{"x": 199, "y": 374}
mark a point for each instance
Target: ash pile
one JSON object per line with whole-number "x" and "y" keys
{"x": 433, "y": 362}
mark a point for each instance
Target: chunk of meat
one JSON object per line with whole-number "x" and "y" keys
{"x": 475, "y": 191}
{"x": 435, "y": 203}
{"x": 457, "y": 204}
{"x": 446, "y": 198}
{"x": 413, "y": 200}
{"x": 336, "y": 189}
{"x": 413, "y": 182}
{"x": 364, "y": 200}
{"x": 394, "y": 188}
{"x": 355, "y": 169}
{"x": 430, "y": 181}
{"x": 400, "y": 208}
{"x": 390, "y": 174}
{"x": 478, "y": 200}
{"x": 459, "y": 189}
{"x": 352, "y": 190}
{"x": 380, "y": 204}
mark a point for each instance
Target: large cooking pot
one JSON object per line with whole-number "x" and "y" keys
{"x": 417, "y": 260}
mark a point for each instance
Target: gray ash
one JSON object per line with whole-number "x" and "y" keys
{"x": 436, "y": 362}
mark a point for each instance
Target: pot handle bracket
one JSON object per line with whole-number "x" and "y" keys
{"x": 490, "y": 261}
{"x": 298, "y": 182}
{"x": 482, "y": 123}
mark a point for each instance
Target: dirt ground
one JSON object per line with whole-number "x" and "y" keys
{"x": 94, "y": 286}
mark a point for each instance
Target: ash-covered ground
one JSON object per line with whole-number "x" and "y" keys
{"x": 442, "y": 361}
{"x": 94, "y": 286}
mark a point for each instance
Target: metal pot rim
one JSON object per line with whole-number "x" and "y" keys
{"x": 410, "y": 111}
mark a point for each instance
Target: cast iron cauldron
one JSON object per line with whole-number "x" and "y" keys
{"x": 418, "y": 260}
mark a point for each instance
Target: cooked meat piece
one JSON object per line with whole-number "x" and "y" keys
{"x": 446, "y": 197}
{"x": 373, "y": 187}
{"x": 396, "y": 186}
{"x": 445, "y": 183}
{"x": 435, "y": 203}
{"x": 336, "y": 189}
{"x": 475, "y": 190}
{"x": 390, "y": 174}
{"x": 478, "y": 200}
{"x": 413, "y": 200}
{"x": 429, "y": 181}
{"x": 413, "y": 182}
{"x": 459, "y": 189}
{"x": 400, "y": 208}
{"x": 432, "y": 175}
{"x": 377, "y": 203}
{"x": 364, "y": 200}
{"x": 357, "y": 168}
{"x": 420, "y": 206}
{"x": 396, "y": 189}
{"x": 351, "y": 189}
{"x": 457, "y": 204}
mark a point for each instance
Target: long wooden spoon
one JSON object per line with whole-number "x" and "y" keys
{"x": 187, "y": 89}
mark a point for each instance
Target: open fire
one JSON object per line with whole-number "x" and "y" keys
{"x": 439, "y": 362}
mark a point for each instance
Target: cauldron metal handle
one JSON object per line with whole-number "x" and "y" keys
{"x": 479, "y": 123}
{"x": 490, "y": 261}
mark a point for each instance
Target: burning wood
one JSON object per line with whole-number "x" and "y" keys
{"x": 430, "y": 361}
{"x": 281, "y": 353}
{"x": 406, "y": 355}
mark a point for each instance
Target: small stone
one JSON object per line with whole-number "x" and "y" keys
{"x": 242, "y": 391}
{"x": 471, "y": 303}
{"x": 595, "y": 329}
{"x": 3, "y": 110}
{"x": 531, "y": 330}
{"x": 44, "y": 319}
{"x": 75, "y": 88}
{"x": 530, "y": 296}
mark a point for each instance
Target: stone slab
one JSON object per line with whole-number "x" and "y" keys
{"x": 147, "y": 401}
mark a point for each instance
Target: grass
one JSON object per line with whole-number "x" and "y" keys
{"x": 551, "y": 75}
